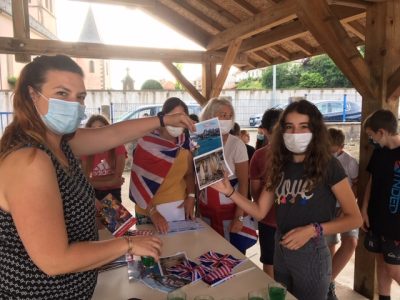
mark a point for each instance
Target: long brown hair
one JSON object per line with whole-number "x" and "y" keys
{"x": 317, "y": 155}
{"x": 111, "y": 153}
{"x": 27, "y": 126}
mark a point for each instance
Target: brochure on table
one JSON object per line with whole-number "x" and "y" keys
{"x": 208, "y": 153}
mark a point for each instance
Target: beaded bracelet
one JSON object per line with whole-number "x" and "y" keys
{"x": 130, "y": 245}
{"x": 230, "y": 195}
{"x": 319, "y": 230}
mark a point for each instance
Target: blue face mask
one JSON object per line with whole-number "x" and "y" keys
{"x": 260, "y": 137}
{"x": 63, "y": 117}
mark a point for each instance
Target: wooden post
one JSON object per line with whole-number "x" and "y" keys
{"x": 381, "y": 55}
{"x": 208, "y": 78}
{"x": 20, "y": 16}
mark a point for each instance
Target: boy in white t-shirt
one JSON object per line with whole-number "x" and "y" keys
{"x": 348, "y": 239}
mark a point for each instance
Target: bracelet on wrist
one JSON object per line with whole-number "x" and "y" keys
{"x": 161, "y": 118}
{"x": 152, "y": 210}
{"x": 128, "y": 239}
{"x": 230, "y": 195}
{"x": 192, "y": 195}
{"x": 319, "y": 230}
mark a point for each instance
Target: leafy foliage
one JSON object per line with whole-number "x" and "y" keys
{"x": 151, "y": 84}
{"x": 249, "y": 84}
{"x": 311, "y": 80}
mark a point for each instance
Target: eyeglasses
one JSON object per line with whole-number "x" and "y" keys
{"x": 225, "y": 115}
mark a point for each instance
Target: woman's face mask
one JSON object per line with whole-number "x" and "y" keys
{"x": 297, "y": 142}
{"x": 226, "y": 126}
{"x": 174, "y": 131}
{"x": 63, "y": 117}
{"x": 260, "y": 137}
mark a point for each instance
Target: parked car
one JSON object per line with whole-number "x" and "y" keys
{"x": 152, "y": 110}
{"x": 332, "y": 111}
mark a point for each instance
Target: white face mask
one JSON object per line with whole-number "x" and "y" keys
{"x": 174, "y": 131}
{"x": 297, "y": 142}
{"x": 225, "y": 125}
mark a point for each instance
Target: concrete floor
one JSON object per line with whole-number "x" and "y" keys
{"x": 344, "y": 282}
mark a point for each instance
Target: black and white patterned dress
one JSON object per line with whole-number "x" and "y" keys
{"x": 20, "y": 278}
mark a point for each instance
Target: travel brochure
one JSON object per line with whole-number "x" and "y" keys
{"x": 175, "y": 271}
{"x": 114, "y": 216}
{"x": 208, "y": 153}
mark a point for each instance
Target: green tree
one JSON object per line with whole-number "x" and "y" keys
{"x": 178, "y": 85}
{"x": 287, "y": 76}
{"x": 323, "y": 65}
{"x": 249, "y": 84}
{"x": 311, "y": 80}
{"x": 151, "y": 84}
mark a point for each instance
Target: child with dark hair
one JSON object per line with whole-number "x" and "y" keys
{"x": 304, "y": 182}
{"x": 381, "y": 204}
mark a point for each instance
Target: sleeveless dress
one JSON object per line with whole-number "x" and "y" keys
{"x": 20, "y": 278}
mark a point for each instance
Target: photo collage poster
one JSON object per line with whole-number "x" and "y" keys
{"x": 208, "y": 153}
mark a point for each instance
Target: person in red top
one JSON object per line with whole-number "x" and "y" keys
{"x": 104, "y": 170}
{"x": 259, "y": 165}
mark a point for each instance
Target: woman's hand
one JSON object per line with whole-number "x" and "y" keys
{"x": 296, "y": 238}
{"x": 179, "y": 120}
{"x": 159, "y": 222}
{"x": 146, "y": 246}
{"x": 235, "y": 225}
{"x": 188, "y": 205}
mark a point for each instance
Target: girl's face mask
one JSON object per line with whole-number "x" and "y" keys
{"x": 297, "y": 142}
{"x": 174, "y": 131}
{"x": 226, "y": 126}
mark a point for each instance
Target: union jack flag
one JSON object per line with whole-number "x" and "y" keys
{"x": 217, "y": 274}
{"x": 189, "y": 270}
{"x": 213, "y": 260}
{"x": 152, "y": 160}
{"x": 218, "y": 211}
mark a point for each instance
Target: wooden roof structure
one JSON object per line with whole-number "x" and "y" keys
{"x": 256, "y": 33}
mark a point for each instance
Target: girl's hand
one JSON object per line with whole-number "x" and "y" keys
{"x": 146, "y": 246}
{"x": 235, "y": 225}
{"x": 159, "y": 222}
{"x": 179, "y": 120}
{"x": 296, "y": 238}
{"x": 223, "y": 186}
{"x": 188, "y": 205}
{"x": 365, "y": 225}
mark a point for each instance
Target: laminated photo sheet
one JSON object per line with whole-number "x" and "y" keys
{"x": 208, "y": 153}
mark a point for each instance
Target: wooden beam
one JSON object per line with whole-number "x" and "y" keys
{"x": 264, "y": 56}
{"x": 357, "y": 29}
{"x": 393, "y": 84}
{"x": 273, "y": 15}
{"x": 166, "y": 16}
{"x": 20, "y": 17}
{"x": 286, "y": 32}
{"x": 101, "y": 51}
{"x": 200, "y": 15}
{"x": 208, "y": 78}
{"x": 226, "y": 65}
{"x": 306, "y": 48}
{"x": 327, "y": 30}
{"x": 246, "y": 7}
{"x": 350, "y": 3}
{"x": 132, "y": 3}
{"x": 188, "y": 86}
{"x": 220, "y": 10}
{"x": 281, "y": 52}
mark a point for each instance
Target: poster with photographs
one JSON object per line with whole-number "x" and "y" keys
{"x": 208, "y": 153}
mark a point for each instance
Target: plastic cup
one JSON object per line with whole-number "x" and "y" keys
{"x": 257, "y": 295}
{"x": 276, "y": 291}
{"x": 176, "y": 295}
{"x": 203, "y": 297}
{"x": 148, "y": 261}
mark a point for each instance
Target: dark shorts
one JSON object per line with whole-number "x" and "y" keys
{"x": 266, "y": 237}
{"x": 389, "y": 248}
